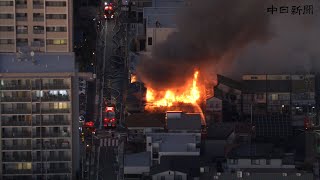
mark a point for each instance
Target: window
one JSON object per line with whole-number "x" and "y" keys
{"x": 56, "y": 16}
{"x": 57, "y": 29}
{"x": 22, "y": 29}
{"x": 255, "y": 161}
{"x": 56, "y": 41}
{"x": 268, "y": 162}
{"x": 38, "y": 17}
{"x": 38, "y": 29}
{"x": 150, "y": 41}
{"x": 233, "y": 161}
{"x": 22, "y": 42}
{"x": 21, "y": 16}
{"x": 56, "y": 3}
{"x": 6, "y": 16}
{"x": 6, "y": 28}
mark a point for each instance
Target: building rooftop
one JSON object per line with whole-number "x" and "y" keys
{"x": 263, "y": 150}
{"x": 174, "y": 142}
{"x": 187, "y": 121}
{"x": 146, "y": 120}
{"x": 220, "y": 131}
{"x": 186, "y": 164}
{"x": 165, "y": 16}
{"x": 137, "y": 159}
{"x": 40, "y": 63}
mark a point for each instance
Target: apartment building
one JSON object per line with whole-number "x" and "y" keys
{"x": 38, "y": 117}
{"x": 39, "y": 25}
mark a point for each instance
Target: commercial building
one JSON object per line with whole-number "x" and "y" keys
{"x": 39, "y": 25}
{"x": 38, "y": 117}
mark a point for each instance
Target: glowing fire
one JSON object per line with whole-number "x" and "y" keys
{"x": 133, "y": 78}
{"x": 190, "y": 94}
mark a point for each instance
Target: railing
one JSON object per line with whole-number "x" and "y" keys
{"x": 17, "y": 171}
{"x": 36, "y": 86}
{"x": 21, "y": 6}
{"x": 38, "y": 18}
{"x": 17, "y": 147}
{"x": 16, "y": 135}
{"x": 21, "y": 18}
{"x": 61, "y": 170}
{"x": 53, "y": 135}
{"x": 38, "y": 32}
{"x": 16, "y": 123}
{"x": 14, "y": 87}
{"x": 57, "y": 158}
{"x": 51, "y": 146}
{"x": 55, "y": 86}
{"x": 55, "y": 98}
{"x": 56, "y": 122}
{"x": 16, "y": 111}
{"x": 22, "y": 44}
{"x": 38, "y": 6}
{"x": 17, "y": 159}
{"x": 22, "y": 31}
{"x": 47, "y": 111}
{"x": 15, "y": 99}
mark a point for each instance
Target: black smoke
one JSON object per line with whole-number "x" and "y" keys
{"x": 209, "y": 32}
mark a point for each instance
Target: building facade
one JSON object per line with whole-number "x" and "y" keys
{"x": 39, "y": 25}
{"x": 38, "y": 118}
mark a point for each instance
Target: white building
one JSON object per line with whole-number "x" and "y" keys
{"x": 172, "y": 144}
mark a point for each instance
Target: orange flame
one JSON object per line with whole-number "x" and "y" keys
{"x": 167, "y": 98}
{"x": 133, "y": 78}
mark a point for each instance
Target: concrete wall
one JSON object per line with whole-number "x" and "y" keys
{"x": 158, "y": 35}
{"x": 169, "y": 175}
{"x": 246, "y": 163}
{"x": 136, "y": 170}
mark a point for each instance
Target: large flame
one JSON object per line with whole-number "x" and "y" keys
{"x": 190, "y": 94}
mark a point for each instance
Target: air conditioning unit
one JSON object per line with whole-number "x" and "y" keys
{"x": 298, "y": 174}
{"x": 215, "y": 177}
{"x": 239, "y": 174}
{"x": 247, "y": 174}
{"x": 218, "y": 173}
{"x": 284, "y": 174}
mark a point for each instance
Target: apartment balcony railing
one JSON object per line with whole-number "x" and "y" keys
{"x": 16, "y": 111}
{"x": 21, "y": 6}
{"x": 38, "y": 32}
{"x": 21, "y": 18}
{"x": 48, "y": 111}
{"x": 16, "y": 135}
{"x": 55, "y": 86}
{"x": 36, "y": 86}
{"x": 38, "y": 6}
{"x": 57, "y": 158}
{"x": 37, "y": 44}
{"x": 59, "y": 170}
{"x": 41, "y": 18}
{"x": 16, "y": 147}
{"x": 14, "y": 87}
{"x": 51, "y": 146}
{"x": 22, "y": 44}
{"x": 55, "y": 98}
{"x": 48, "y": 135}
{"x": 19, "y": 31}
{"x": 56, "y": 122}
{"x": 15, "y": 123}
{"x": 17, "y": 159}
{"x": 17, "y": 171}
{"x": 15, "y": 99}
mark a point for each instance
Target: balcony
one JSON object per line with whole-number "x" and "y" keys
{"x": 55, "y": 86}
{"x": 15, "y": 99}
{"x": 55, "y": 111}
{"x": 14, "y": 87}
{"x": 16, "y": 147}
{"x": 17, "y": 171}
{"x": 18, "y": 158}
{"x": 16, "y": 111}
{"x": 55, "y": 98}
{"x": 50, "y": 135}
{"x": 56, "y": 122}
{"x": 21, "y": 6}
{"x": 38, "y": 18}
{"x": 51, "y": 146}
{"x": 17, "y": 135}
{"x": 57, "y": 158}
{"x": 15, "y": 123}
{"x": 59, "y": 170}
{"x": 38, "y": 5}
{"x": 24, "y": 18}
{"x": 38, "y": 32}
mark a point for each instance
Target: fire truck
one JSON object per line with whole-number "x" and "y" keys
{"x": 109, "y": 10}
{"x": 88, "y": 129}
{"x": 109, "y": 117}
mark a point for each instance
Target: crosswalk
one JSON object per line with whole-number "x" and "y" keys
{"x": 109, "y": 142}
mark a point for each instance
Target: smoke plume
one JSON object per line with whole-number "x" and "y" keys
{"x": 208, "y": 32}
